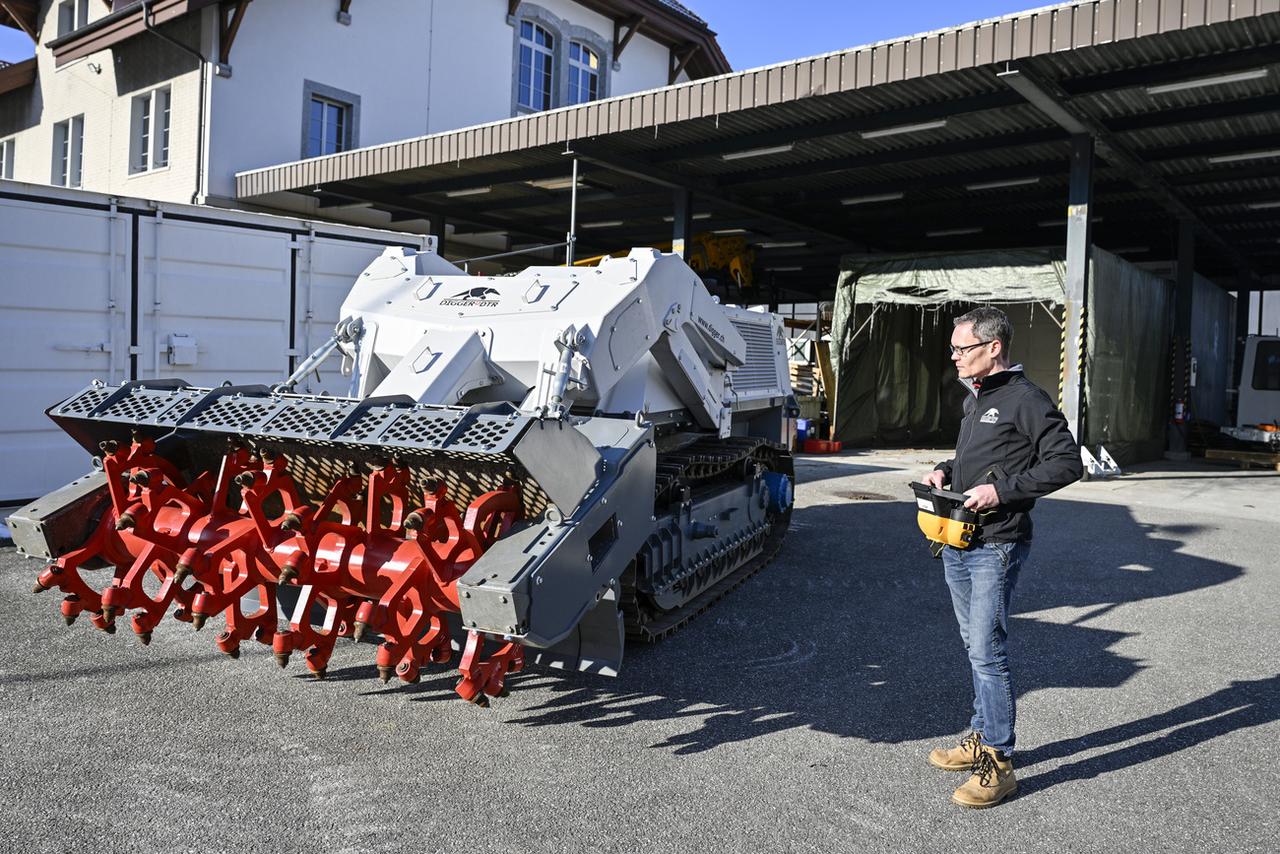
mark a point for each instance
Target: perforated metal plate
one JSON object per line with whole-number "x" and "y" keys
{"x": 255, "y": 412}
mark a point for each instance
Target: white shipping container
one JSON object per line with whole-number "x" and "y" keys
{"x": 96, "y": 287}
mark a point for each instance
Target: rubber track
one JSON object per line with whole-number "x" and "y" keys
{"x": 706, "y": 459}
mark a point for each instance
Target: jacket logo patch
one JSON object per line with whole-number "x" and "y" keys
{"x": 991, "y": 416}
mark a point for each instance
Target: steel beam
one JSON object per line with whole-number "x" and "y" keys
{"x": 1243, "y": 299}
{"x": 1148, "y": 74}
{"x": 681, "y": 221}
{"x": 833, "y": 127}
{"x": 1180, "y": 351}
{"x": 1050, "y": 99}
{"x": 706, "y": 188}
{"x": 982, "y": 145}
{"x": 1079, "y": 242}
{"x": 438, "y": 225}
{"x": 481, "y": 179}
{"x": 1240, "y": 108}
{"x": 393, "y": 201}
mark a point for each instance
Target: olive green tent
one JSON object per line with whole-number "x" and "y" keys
{"x": 895, "y": 383}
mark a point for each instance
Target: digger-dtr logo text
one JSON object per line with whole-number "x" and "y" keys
{"x": 477, "y": 297}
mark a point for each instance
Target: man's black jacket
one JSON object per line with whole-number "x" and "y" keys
{"x": 1013, "y": 437}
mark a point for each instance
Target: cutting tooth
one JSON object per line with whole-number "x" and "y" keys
{"x": 358, "y": 630}
{"x": 384, "y": 673}
{"x": 125, "y": 521}
{"x": 282, "y": 659}
{"x": 145, "y": 637}
{"x": 180, "y": 573}
{"x": 197, "y": 620}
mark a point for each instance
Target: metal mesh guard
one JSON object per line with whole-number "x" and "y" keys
{"x": 392, "y": 425}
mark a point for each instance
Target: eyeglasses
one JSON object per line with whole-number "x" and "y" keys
{"x": 960, "y": 351}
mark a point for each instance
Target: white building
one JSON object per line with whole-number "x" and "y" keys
{"x": 168, "y": 99}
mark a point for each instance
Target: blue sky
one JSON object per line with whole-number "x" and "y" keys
{"x": 760, "y": 32}
{"x": 754, "y": 32}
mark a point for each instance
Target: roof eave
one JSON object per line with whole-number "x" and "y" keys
{"x": 117, "y": 27}
{"x": 17, "y": 76}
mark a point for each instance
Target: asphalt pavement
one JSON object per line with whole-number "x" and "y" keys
{"x": 793, "y": 716}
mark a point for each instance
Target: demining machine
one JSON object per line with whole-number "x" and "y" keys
{"x": 535, "y": 467}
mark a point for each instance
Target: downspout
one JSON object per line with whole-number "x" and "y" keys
{"x": 200, "y": 112}
{"x": 431, "y": 59}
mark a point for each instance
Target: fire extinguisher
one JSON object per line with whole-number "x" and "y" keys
{"x": 1179, "y": 412}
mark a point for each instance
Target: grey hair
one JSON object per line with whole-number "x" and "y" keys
{"x": 989, "y": 324}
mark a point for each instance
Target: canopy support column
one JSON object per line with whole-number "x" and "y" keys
{"x": 1079, "y": 239}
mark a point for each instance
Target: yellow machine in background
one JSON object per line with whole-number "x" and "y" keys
{"x": 727, "y": 259}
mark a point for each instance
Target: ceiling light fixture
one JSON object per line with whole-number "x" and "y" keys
{"x": 953, "y": 232}
{"x": 604, "y": 223}
{"x": 471, "y": 191}
{"x": 1059, "y": 223}
{"x": 1215, "y": 80}
{"x": 1262, "y": 206}
{"x": 1008, "y": 182}
{"x": 1246, "y": 155}
{"x": 553, "y": 183}
{"x": 729, "y": 231}
{"x": 471, "y": 235}
{"x": 866, "y": 200}
{"x": 899, "y": 129}
{"x": 784, "y": 269}
{"x": 781, "y": 244}
{"x": 758, "y": 152}
{"x": 670, "y": 218}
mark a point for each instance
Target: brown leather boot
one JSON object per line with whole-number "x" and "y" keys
{"x": 959, "y": 758}
{"x": 992, "y": 781}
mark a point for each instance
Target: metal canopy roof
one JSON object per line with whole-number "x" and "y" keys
{"x": 924, "y": 143}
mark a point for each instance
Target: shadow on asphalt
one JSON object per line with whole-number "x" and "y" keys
{"x": 816, "y": 468}
{"x": 850, "y": 632}
{"x": 1242, "y": 705}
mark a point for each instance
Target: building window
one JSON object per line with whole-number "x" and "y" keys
{"x": 149, "y": 147}
{"x": 68, "y": 152}
{"x": 72, "y": 15}
{"x": 328, "y": 131}
{"x": 584, "y": 73}
{"x": 6, "y": 158}
{"x": 1266, "y": 366}
{"x": 330, "y": 120}
{"x": 537, "y": 59}
{"x": 556, "y": 62}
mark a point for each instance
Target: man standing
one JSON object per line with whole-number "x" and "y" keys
{"x": 1013, "y": 447}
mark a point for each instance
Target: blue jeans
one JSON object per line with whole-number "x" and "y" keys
{"x": 981, "y": 581}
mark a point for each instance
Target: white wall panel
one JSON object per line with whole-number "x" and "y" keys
{"x": 226, "y": 287}
{"x": 58, "y": 331}
{"x": 227, "y": 279}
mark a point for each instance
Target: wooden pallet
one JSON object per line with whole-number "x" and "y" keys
{"x": 1246, "y": 459}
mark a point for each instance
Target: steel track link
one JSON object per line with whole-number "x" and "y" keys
{"x": 702, "y": 462}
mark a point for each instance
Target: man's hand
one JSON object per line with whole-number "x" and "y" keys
{"x": 982, "y": 497}
{"x": 934, "y": 478}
